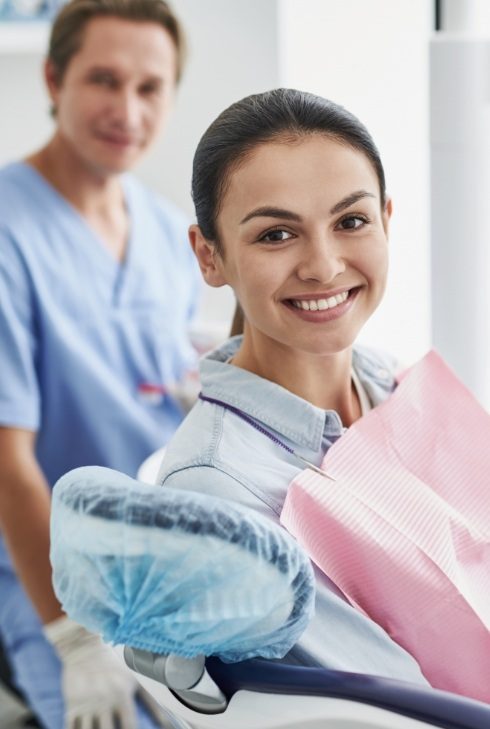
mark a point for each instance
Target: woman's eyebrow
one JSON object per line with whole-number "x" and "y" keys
{"x": 271, "y": 212}
{"x": 350, "y": 200}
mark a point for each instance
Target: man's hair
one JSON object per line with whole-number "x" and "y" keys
{"x": 69, "y": 26}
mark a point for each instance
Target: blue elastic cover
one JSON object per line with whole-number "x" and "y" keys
{"x": 175, "y": 571}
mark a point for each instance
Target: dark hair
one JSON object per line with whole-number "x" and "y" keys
{"x": 69, "y": 25}
{"x": 282, "y": 114}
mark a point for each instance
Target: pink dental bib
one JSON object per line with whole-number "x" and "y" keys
{"x": 404, "y": 530}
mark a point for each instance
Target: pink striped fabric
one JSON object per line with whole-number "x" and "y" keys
{"x": 404, "y": 531}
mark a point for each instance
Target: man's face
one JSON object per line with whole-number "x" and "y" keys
{"x": 115, "y": 93}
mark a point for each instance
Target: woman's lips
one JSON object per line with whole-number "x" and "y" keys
{"x": 322, "y": 308}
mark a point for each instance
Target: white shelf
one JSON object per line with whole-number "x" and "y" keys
{"x": 27, "y": 37}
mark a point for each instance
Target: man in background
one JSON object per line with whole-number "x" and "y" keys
{"x": 97, "y": 286}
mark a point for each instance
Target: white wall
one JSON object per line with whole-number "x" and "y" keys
{"x": 460, "y": 181}
{"x": 372, "y": 57}
{"x": 24, "y": 106}
{"x": 467, "y": 16}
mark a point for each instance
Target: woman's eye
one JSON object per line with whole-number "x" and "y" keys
{"x": 276, "y": 236}
{"x": 352, "y": 222}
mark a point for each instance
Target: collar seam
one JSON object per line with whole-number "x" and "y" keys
{"x": 294, "y": 435}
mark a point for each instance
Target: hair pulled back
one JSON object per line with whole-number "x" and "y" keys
{"x": 281, "y": 115}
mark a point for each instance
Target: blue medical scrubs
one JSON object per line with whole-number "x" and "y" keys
{"x": 89, "y": 348}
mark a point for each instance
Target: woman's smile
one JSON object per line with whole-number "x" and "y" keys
{"x": 322, "y": 308}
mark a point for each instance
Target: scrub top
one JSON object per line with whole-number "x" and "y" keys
{"x": 89, "y": 346}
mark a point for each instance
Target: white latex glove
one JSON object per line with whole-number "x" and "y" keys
{"x": 98, "y": 689}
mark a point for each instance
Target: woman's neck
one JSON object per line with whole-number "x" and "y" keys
{"x": 323, "y": 380}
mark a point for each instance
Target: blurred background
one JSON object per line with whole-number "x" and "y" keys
{"x": 373, "y": 56}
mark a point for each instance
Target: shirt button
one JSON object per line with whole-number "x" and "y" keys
{"x": 383, "y": 374}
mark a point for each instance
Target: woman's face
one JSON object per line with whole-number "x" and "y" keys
{"x": 115, "y": 92}
{"x": 305, "y": 244}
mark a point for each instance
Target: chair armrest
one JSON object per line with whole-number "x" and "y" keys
{"x": 440, "y": 708}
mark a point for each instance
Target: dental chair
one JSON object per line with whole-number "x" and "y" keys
{"x": 213, "y": 595}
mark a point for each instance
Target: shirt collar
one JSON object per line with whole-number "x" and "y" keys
{"x": 265, "y": 401}
{"x": 375, "y": 370}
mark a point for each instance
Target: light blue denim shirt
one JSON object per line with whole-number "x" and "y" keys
{"x": 215, "y": 451}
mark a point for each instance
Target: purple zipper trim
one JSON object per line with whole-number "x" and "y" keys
{"x": 248, "y": 420}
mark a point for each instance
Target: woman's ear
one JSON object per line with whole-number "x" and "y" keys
{"x": 207, "y": 256}
{"x": 387, "y": 212}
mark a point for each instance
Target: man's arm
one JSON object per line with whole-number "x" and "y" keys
{"x": 24, "y": 518}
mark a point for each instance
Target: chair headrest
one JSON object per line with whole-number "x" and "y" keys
{"x": 173, "y": 571}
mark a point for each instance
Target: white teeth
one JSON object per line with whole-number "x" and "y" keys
{"x": 320, "y": 304}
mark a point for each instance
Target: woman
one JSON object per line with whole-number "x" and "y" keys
{"x": 292, "y": 213}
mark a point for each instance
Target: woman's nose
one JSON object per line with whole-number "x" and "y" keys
{"x": 322, "y": 261}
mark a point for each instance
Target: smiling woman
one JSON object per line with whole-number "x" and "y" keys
{"x": 322, "y": 234}
{"x": 292, "y": 214}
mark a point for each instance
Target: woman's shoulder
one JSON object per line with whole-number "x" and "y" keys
{"x": 213, "y": 452}
{"x": 193, "y": 461}
{"x": 195, "y": 443}
{"x": 203, "y": 478}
